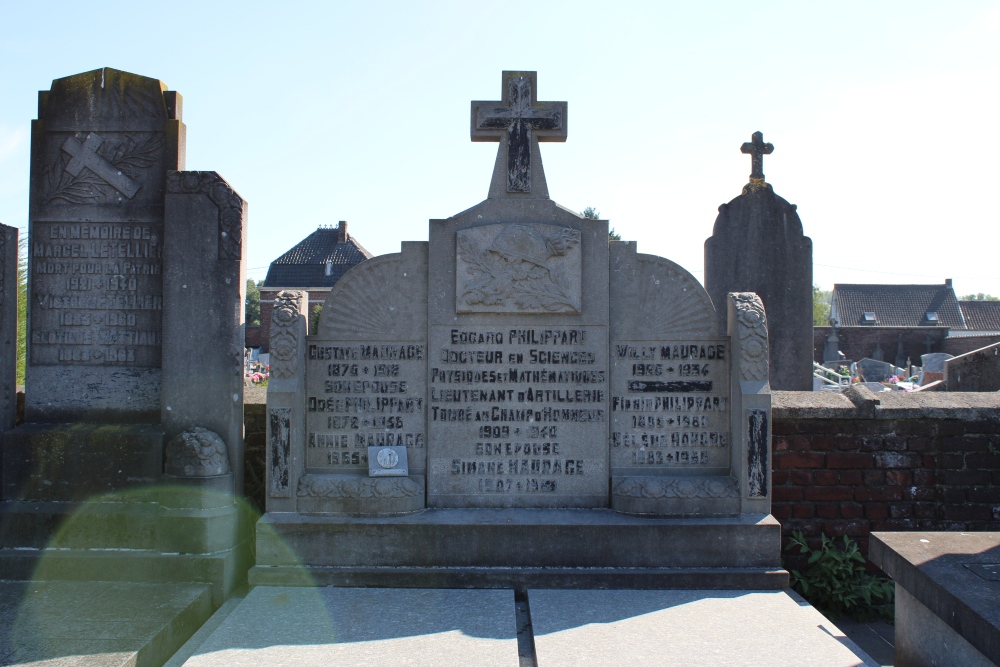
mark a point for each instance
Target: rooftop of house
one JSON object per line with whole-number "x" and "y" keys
{"x": 319, "y": 260}
{"x": 896, "y": 306}
{"x": 981, "y": 315}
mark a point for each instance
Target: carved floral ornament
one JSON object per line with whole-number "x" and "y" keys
{"x": 752, "y": 332}
{"x": 319, "y": 486}
{"x": 285, "y": 334}
{"x": 197, "y": 452}
{"x": 515, "y": 272}
{"x": 684, "y": 487}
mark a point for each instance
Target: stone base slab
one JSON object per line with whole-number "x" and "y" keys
{"x": 447, "y": 547}
{"x": 76, "y": 462}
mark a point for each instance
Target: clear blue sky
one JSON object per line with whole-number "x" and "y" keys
{"x": 885, "y": 117}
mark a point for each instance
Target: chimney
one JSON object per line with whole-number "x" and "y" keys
{"x": 947, "y": 282}
{"x": 342, "y": 233}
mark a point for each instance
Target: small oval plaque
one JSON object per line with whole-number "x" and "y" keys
{"x": 387, "y": 458}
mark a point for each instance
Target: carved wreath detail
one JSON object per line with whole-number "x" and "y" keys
{"x": 128, "y": 155}
{"x": 197, "y": 452}
{"x": 514, "y": 270}
{"x": 360, "y": 487}
{"x": 752, "y": 330}
{"x": 285, "y": 334}
{"x": 677, "y": 487}
{"x": 224, "y": 197}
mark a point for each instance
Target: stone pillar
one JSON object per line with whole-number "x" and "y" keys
{"x": 8, "y": 327}
{"x": 203, "y": 307}
{"x": 286, "y": 403}
{"x": 751, "y": 401}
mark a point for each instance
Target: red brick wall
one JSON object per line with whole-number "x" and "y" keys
{"x": 957, "y": 346}
{"x": 854, "y": 476}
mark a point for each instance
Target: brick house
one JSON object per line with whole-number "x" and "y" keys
{"x": 899, "y": 322}
{"x": 314, "y": 265}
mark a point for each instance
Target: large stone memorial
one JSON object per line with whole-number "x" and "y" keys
{"x": 519, "y": 397}
{"x": 133, "y": 384}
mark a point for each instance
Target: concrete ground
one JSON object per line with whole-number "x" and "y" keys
{"x": 56, "y": 624}
{"x": 97, "y": 624}
{"x": 383, "y": 627}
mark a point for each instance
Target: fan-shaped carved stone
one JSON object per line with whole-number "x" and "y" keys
{"x": 653, "y": 298}
{"x": 383, "y": 298}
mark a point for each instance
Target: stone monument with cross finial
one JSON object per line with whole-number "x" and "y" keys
{"x": 758, "y": 245}
{"x": 519, "y": 397}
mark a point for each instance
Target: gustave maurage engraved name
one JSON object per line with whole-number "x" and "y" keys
{"x": 360, "y": 396}
{"x": 516, "y": 406}
{"x": 670, "y": 407}
{"x": 97, "y": 293}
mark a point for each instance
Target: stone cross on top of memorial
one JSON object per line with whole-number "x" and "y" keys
{"x": 519, "y": 121}
{"x": 757, "y": 245}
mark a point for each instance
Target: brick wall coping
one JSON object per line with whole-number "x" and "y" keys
{"x": 859, "y": 402}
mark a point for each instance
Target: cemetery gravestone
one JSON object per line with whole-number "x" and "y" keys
{"x": 8, "y": 327}
{"x": 561, "y": 402}
{"x": 135, "y": 330}
{"x": 757, "y": 245}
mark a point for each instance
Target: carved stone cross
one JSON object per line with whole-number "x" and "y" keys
{"x": 517, "y": 119}
{"x": 757, "y": 149}
{"x": 85, "y": 155}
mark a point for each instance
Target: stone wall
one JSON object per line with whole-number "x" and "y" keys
{"x": 964, "y": 344}
{"x": 850, "y": 464}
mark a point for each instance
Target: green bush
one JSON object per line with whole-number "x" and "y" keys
{"x": 836, "y": 582}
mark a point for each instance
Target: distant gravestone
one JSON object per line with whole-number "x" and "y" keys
{"x": 757, "y": 245}
{"x": 978, "y": 370}
{"x": 874, "y": 370}
{"x": 932, "y": 366}
{"x": 8, "y": 326}
{"x": 534, "y": 375}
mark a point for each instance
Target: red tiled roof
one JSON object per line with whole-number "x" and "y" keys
{"x": 981, "y": 314}
{"x": 897, "y": 305}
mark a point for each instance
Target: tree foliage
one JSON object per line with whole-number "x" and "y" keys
{"x": 979, "y": 297}
{"x": 252, "y": 302}
{"x": 821, "y": 306}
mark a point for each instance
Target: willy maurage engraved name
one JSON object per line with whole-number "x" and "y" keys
{"x": 96, "y": 293}
{"x": 359, "y": 396}
{"x": 670, "y": 405}
{"x": 518, "y": 410}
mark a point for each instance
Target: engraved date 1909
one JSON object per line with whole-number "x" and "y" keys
{"x": 507, "y": 485}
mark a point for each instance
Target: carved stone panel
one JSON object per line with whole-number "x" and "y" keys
{"x": 518, "y": 268}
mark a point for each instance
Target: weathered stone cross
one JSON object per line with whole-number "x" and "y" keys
{"x": 519, "y": 117}
{"x": 85, "y": 155}
{"x": 757, "y": 149}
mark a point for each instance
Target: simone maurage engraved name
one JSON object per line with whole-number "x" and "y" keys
{"x": 670, "y": 407}
{"x": 362, "y": 395}
{"x": 96, "y": 293}
{"x": 517, "y": 410}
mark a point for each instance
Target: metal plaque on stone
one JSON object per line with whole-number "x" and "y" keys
{"x": 387, "y": 462}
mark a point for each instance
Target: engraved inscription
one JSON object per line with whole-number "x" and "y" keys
{"x": 533, "y": 268}
{"x": 362, "y": 395}
{"x": 523, "y": 411}
{"x": 97, "y": 293}
{"x": 670, "y": 406}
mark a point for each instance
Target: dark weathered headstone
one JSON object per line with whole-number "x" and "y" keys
{"x": 758, "y": 246}
{"x": 101, "y": 148}
{"x": 8, "y": 326}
